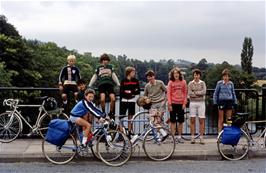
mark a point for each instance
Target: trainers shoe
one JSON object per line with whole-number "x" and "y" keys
{"x": 164, "y": 137}
{"x": 180, "y": 140}
{"x": 192, "y": 141}
{"x": 89, "y": 139}
{"x": 202, "y": 141}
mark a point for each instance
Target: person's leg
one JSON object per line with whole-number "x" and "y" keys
{"x": 228, "y": 113}
{"x": 220, "y": 119}
{"x": 112, "y": 105}
{"x": 173, "y": 122}
{"x": 201, "y": 113}
{"x": 76, "y": 96}
{"x": 181, "y": 118}
{"x": 131, "y": 112}
{"x": 102, "y": 101}
{"x": 192, "y": 112}
{"x": 87, "y": 129}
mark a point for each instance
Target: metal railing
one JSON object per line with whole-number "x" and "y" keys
{"x": 249, "y": 101}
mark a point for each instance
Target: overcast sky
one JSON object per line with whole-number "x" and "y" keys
{"x": 145, "y": 29}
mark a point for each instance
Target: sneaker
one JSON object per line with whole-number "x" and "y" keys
{"x": 164, "y": 137}
{"x": 202, "y": 141}
{"x": 89, "y": 139}
{"x": 180, "y": 140}
{"x": 192, "y": 141}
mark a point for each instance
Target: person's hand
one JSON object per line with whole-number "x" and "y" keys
{"x": 61, "y": 87}
{"x": 170, "y": 108}
{"x": 184, "y": 106}
{"x": 101, "y": 120}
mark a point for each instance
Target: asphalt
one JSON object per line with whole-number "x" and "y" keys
{"x": 29, "y": 150}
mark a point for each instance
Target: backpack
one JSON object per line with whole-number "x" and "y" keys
{"x": 58, "y": 131}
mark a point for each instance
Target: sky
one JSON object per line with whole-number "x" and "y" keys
{"x": 189, "y": 30}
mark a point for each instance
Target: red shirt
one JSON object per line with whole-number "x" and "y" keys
{"x": 177, "y": 92}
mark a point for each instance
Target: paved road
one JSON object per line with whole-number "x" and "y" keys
{"x": 171, "y": 166}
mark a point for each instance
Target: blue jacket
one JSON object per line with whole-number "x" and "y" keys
{"x": 83, "y": 107}
{"x": 224, "y": 92}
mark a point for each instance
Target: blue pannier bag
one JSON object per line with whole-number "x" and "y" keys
{"x": 58, "y": 132}
{"x": 231, "y": 135}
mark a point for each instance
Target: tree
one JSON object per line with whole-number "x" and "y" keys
{"x": 6, "y": 28}
{"x": 246, "y": 55}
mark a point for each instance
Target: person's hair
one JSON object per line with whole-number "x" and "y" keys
{"x": 129, "y": 70}
{"x": 171, "y": 74}
{"x": 104, "y": 57}
{"x": 197, "y": 71}
{"x": 89, "y": 91}
{"x": 149, "y": 73}
{"x": 71, "y": 57}
{"x": 80, "y": 82}
{"x": 226, "y": 72}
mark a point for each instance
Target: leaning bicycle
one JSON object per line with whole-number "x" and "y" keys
{"x": 239, "y": 149}
{"x": 11, "y": 121}
{"x": 112, "y": 147}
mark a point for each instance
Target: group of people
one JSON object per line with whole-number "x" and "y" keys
{"x": 175, "y": 95}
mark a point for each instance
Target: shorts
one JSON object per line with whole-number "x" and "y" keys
{"x": 225, "y": 104}
{"x": 106, "y": 89}
{"x": 68, "y": 88}
{"x": 177, "y": 114}
{"x": 160, "y": 106}
{"x": 73, "y": 119}
{"x": 124, "y": 106}
{"x": 197, "y": 108}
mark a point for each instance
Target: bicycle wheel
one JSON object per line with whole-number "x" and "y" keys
{"x": 10, "y": 127}
{"x": 140, "y": 122}
{"x": 234, "y": 152}
{"x": 60, "y": 154}
{"x": 45, "y": 120}
{"x": 159, "y": 148}
{"x": 114, "y": 148}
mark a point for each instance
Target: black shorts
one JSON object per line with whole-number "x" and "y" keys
{"x": 106, "y": 89}
{"x": 225, "y": 104}
{"x": 177, "y": 114}
{"x": 70, "y": 88}
{"x": 124, "y": 106}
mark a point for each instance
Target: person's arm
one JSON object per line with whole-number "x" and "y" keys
{"x": 191, "y": 93}
{"x": 78, "y": 74}
{"x": 216, "y": 94}
{"x": 61, "y": 75}
{"x": 184, "y": 94}
{"x": 137, "y": 89}
{"x": 94, "y": 110}
{"x": 93, "y": 80}
{"x": 115, "y": 79}
{"x": 203, "y": 91}
{"x": 146, "y": 91}
{"x": 169, "y": 98}
{"x": 234, "y": 94}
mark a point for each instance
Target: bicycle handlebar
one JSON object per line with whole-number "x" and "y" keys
{"x": 11, "y": 102}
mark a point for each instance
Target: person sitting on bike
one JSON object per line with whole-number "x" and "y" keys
{"x": 68, "y": 78}
{"x": 80, "y": 112}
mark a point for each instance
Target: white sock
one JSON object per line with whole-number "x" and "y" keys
{"x": 84, "y": 140}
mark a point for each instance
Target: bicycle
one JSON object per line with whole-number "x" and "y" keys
{"x": 11, "y": 121}
{"x": 110, "y": 147}
{"x": 158, "y": 143}
{"x": 246, "y": 141}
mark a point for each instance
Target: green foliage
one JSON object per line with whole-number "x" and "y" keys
{"x": 7, "y": 29}
{"x": 246, "y": 55}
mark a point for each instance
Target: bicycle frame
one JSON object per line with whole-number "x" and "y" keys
{"x": 252, "y": 141}
{"x": 34, "y": 127}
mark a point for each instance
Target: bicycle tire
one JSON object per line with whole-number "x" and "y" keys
{"x": 9, "y": 131}
{"x": 159, "y": 149}
{"x": 45, "y": 120}
{"x": 115, "y": 151}
{"x": 234, "y": 152}
{"x": 60, "y": 155}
